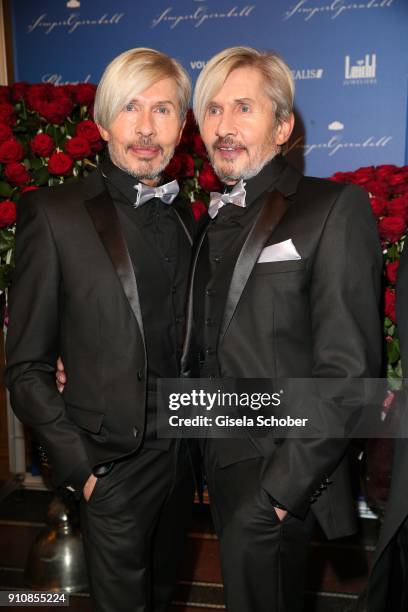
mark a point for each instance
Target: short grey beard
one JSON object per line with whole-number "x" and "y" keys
{"x": 145, "y": 176}
{"x": 245, "y": 174}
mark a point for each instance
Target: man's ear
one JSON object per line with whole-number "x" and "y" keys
{"x": 103, "y": 132}
{"x": 284, "y": 130}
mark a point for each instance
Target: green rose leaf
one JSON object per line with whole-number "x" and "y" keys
{"x": 6, "y": 190}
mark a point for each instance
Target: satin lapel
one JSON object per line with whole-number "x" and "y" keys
{"x": 190, "y": 304}
{"x": 269, "y": 217}
{"x": 104, "y": 216}
{"x": 185, "y": 219}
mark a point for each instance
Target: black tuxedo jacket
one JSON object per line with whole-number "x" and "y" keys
{"x": 313, "y": 317}
{"x": 75, "y": 294}
{"x": 397, "y": 505}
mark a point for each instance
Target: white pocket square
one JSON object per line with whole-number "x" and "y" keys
{"x": 282, "y": 251}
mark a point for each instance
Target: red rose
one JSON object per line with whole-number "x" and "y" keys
{"x": 198, "y": 209}
{"x": 4, "y": 93}
{"x": 77, "y": 147}
{"x": 60, "y": 163}
{"x": 7, "y": 213}
{"x": 41, "y": 89}
{"x": 29, "y": 188}
{"x": 36, "y": 96}
{"x": 97, "y": 146}
{"x": 7, "y": 113}
{"x": 363, "y": 175}
{"x": 66, "y": 105}
{"x": 391, "y": 228}
{"x": 376, "y": 188}
{"x": 11, "y": 150}
{"x": 199, "y": 147}
{"x": 398, "y": 178}
{"x": 42, "y": 145}
{"x": 53, "y": 112}
{"x": 88, "y": 130}
{"x": 5, "y": 132}
{"x": 34, "y": 102}
{"x": 187, "y": 165}
{"x": 402, "y": 190}
{"x": 207, "y": 178}
{"x": 85, "y": 93}
{"x": 389, "y": 304}
{"x": 378, "y": 206}
{"x": 398, "y": 207}
{"x": 173, "y": 168}
{"x": 60, "y": 92}
{"x": 19, "y": 90}
{"x": 16, "y": 174}
{"x": 391, "y": 272}
{"x": 385, "y": 171}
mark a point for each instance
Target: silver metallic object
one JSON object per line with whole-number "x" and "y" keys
{"x": 56, "y": 561}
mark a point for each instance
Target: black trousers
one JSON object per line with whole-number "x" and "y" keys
{"x": 263, "y": 559}
{"x": 134, "y": 528}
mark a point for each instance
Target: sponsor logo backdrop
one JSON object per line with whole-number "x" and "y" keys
{"x": 348, "y": 58}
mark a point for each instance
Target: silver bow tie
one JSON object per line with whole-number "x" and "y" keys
{"x": 166, "y": 193}
{"x": 218, "y": 200}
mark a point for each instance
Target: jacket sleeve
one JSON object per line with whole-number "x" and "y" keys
{"x": 347, "y": 344}
{"x": 32, "y": 344}
{"x": 402, "y": 307}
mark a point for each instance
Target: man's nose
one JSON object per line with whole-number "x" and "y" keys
{"x": 226, "y": 125}
{"x": 145, "y": 124}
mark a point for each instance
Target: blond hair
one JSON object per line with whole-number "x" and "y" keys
{"x": 131, "y": 73}
{"x": 279, "y": 83}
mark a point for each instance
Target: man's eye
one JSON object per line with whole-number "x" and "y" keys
{"x": 213, "y": 110}
{"x": 245, "y": 108}
{"x": 130, "y": 107}
{"x": 163, "y": 110}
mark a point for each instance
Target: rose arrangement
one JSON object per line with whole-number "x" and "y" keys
{"x": 47, "y": 136}
{"x": 387, "y": 187}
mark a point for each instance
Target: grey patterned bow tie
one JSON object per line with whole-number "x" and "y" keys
{"x": 218, "y": 200}
{"x": 166, "y": 193}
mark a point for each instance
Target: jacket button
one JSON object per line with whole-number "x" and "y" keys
{"x": 139, "y": 375}
{"x": 135, "y": 432}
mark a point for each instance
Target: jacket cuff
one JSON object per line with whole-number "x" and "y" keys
{"x": 78, "y": 477}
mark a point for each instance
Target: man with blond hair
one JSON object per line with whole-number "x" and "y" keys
{"x": 101, "y": 269}
{"x": 286, "y": 284}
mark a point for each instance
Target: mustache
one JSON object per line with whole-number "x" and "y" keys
{"x": 144, "y": 143}
{"x": 228, "y": 142}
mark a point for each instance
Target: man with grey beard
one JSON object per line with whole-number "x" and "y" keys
{"x": 101, "y": 276}
{"x": 286, "y": 284}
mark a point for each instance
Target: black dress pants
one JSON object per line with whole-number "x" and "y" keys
{"x": 134, "y": 528}
{"x": 263, "y": 559}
